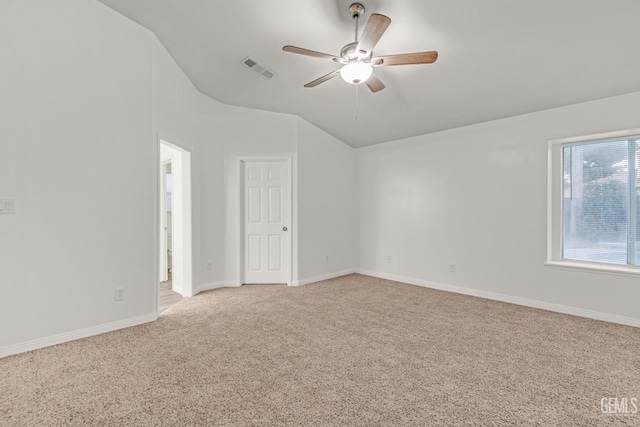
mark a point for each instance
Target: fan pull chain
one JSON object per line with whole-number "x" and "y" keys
{"x": 356, "y": 101}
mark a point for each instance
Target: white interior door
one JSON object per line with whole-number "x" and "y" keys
{"x": 267, "y": 245}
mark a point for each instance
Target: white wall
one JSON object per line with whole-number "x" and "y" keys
{"x": 79, "y": 82}
{"x": 247, "y": 132}
{"x": 476, "y": 196}
{"x": 180, "y": 115}
{"x": 326, "y": 206}
{"x": 74, "y": 90}
{"x": 215, "y": 134}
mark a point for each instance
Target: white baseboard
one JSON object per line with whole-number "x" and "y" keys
{"x": 230, "y": 283}
{"x": 301, "y": 282}
{"x": 74, "y": 335}
{"x": 559, "y": 308}
{"x": 214, "y": 285}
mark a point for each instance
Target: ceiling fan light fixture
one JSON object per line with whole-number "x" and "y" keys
{"x": 356, "y": 72}
{"x": 357, "y": 57}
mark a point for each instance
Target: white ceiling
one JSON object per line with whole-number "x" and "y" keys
{"x": 498, "y": 58}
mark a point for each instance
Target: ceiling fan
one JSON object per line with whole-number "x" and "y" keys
{"x": 357, "y": 57}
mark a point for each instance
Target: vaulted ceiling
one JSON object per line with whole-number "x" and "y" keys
{"x": 497, "y": 58}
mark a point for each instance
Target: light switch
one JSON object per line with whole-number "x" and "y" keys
{"x": 7, "y": 206}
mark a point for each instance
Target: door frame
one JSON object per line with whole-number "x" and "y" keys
{"x": 164, "y": 261}
{"x": 291, "y": 210}
{"x": 182, "y": 280}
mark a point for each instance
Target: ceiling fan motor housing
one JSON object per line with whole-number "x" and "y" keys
{"x": 350, "y": 53}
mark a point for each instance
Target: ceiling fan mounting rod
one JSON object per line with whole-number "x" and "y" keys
{"x": 356, "y": 10}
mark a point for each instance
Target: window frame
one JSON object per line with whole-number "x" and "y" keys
{"x": 555, "y": 193}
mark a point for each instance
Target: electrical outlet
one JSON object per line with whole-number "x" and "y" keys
{"x": 452, "y": 268}
{"x": 326, "y": 259}
{"x": 389, "y": 259}
{"x": 119, "y": 294}
{"x": 209, "y": 266}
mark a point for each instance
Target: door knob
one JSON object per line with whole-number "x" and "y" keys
{"x": 284, "y": 228}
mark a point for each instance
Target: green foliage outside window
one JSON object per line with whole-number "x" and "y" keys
{"x": 604, "y": 210}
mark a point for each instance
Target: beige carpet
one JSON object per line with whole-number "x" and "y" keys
{"x": 349, "y": 351}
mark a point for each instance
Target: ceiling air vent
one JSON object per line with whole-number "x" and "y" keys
{"x": 250, "y": 63}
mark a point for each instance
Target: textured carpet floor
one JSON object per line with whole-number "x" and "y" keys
{"x": 349, "y": 351}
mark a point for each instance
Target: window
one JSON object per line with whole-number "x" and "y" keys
{"x": 594, "y": 189}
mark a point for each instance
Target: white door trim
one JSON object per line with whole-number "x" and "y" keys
{"x": 182, "y": 277}
{"x": 163, "y": 262}
{"x": 291, "y": 236}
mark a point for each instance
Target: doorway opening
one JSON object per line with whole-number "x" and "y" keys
{"x": 175, "y": 258}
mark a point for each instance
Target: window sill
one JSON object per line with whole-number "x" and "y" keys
{"x": 621, "y": 270}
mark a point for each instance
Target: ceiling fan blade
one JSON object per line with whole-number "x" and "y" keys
{"x": 374, "y": 83}
{"x": 405, "y": 59}
{"x": 307, "y": 52}
{"x": 376, "y": 26}
{"x": 323, "y": 79}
